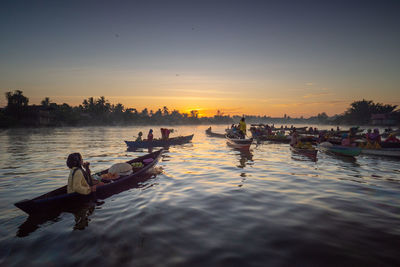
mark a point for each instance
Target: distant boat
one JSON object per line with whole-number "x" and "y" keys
{"x": 210, "y": 133}
{"x": 160, "y": 142}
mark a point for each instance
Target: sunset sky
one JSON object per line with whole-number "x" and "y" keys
{"x": 241, "y": 57}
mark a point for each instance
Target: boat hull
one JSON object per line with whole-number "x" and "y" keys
{"x": 218, "y": 135}
{"x": 389, "y": 152}
{"x": 311, "y": 153}
{"x": 160, "y": 143}
{"x": 342, "y": 150}
{"x": 239, "y": 143}
{"x": 59, "y": 198}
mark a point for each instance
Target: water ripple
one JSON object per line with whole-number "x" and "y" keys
{"x": 205, "y": 204}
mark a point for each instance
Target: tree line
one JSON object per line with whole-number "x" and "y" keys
{"x": 99, "y": 111}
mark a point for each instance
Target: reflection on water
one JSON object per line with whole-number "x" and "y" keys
{"x": 206, "y": 204}
{"x": 82, "y": 211}
{"x": 245, "y": 156}
{"x": 81, "y": 215}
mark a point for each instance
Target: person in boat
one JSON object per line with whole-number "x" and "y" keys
{"x": 346, "y": 140}
{"x": 295, "y": 138}
{"x": 79, "y": 179}
{"x": 242, "y": 128}
{"x": 375, "y": 136}
{"x": 150, "y": 135}
{"x": 280, "y": 133}
{"x": 165, "y": 133}
{"x": 368, "y": 135}
{"x": 139, "y": 138}
{"x": 392, "y": 139}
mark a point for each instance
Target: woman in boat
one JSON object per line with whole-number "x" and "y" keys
{"x": 139, "y": 138}
{"x": 80, "y": 180}
{"x": 150, "y": 135}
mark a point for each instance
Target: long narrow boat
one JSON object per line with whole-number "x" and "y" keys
{"x": 239, "y": 143}
{"x": 59, "y": 197}
{"x": 340, "y": 150}
{"x": 389, "y": 152}
{"x": 309, "y": 152}
{"x": 212, "y": 134}
{"x": 274, "y": 138}
{"x": 160, "y": 142}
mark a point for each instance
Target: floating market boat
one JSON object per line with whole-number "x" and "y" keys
{"x": 389, "y": 152}
{"x": 309, "y": 152}
{"x": 239, "y": 143}
{"x": 59, "y": 198}
{"x": 340, "y": 150}
{"x": 212, "y": 134}
{"x": 160, "y": 142}
{"x": 274, "y": 138}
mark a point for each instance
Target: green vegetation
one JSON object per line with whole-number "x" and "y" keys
{"x": 360, "y": 112}
{"x": 93, "y": 112}
{"x": 99, "y": 111}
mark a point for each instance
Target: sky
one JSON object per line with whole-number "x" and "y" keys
{"x": 270, "y": 58}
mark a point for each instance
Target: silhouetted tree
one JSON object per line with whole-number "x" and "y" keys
{"x": 45, "y": 102}
{"x": 16, "y": 104}
{"x": 360, "y": 112}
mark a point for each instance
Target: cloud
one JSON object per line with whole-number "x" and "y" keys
{"x": 309, "y": 84}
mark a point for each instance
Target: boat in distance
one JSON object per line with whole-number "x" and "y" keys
{"x": 239, "y": 143}
{"x": 160, "y": 142}
{"x": 59, "y": 198}
{"x": 212, "y": 134}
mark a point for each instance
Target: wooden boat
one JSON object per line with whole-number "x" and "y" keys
{"x": 389, "y": 152}
{"x": 340, "y": 150}
{"x": 309, "y": 152}
{"x": 274, "y": 138}
{"x": 389, "y": 145}
{"x": 211, "y": 134}
{"x": 160, "y": 142}
{"x": 239, "y": 143}
{"x": 59, "y": 197}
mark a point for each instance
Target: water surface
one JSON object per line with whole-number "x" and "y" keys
{"x": 205, "y": 204}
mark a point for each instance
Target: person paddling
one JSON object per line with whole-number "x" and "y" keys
{"x": 80, "y": 180}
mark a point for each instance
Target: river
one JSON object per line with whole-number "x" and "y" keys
{"x": 205, "y": 204}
